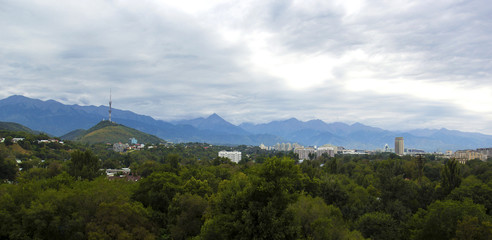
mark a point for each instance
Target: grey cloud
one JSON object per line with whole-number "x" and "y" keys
{"x": 164, "y": 63}
{"x": 445, "y": 40}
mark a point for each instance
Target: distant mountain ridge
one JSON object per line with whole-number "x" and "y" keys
{"x": 58, "y": 119}
{"x": 213, "y": 122}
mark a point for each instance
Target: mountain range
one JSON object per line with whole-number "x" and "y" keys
{"x": 57, "y": 119}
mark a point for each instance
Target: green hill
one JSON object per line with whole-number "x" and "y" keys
{"x": 74, "y": 135}
{"x": 15, "y": 127}
{"x": 109, "y": 132}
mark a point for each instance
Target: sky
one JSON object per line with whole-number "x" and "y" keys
{"x": 392, "y": 64}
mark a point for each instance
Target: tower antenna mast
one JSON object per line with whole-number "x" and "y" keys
{"x": 110, "y": 102}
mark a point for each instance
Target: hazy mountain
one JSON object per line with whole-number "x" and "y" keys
{"x": 57, "y": 119}
{"x": 360, "y": 136}
{"x": 214, "y": 123}
{"x": 47, "y": 116}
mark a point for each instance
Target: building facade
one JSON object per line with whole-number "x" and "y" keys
{"x": 330, "y": 151}
{"x": 486, "y": 152}
{"x": 234, "y": 156}
{"x": 466, "y": 155}
{"x": 399, "y": 146}
{"x": 304, "y": 152}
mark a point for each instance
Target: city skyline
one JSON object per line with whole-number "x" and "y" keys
{"x": 396, "y": 65}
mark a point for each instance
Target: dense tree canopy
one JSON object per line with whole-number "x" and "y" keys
{"x": 186, "y": 192}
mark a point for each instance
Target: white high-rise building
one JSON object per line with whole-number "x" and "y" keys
{"x": 235, "y": 156}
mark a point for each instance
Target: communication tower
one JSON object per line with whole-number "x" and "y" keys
{"x": 110, "y": 102}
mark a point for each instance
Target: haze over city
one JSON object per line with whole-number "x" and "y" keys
{"x": 397, "y": 65}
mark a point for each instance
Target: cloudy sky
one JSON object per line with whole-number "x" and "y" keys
{"x": 395, "y": 64}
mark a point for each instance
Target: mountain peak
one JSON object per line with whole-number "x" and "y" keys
{"x": 16, "y": 99}
{"x": 292, "y": 120}
{"x": 215, "y": 116}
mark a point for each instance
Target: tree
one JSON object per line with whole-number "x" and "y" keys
{"x": 474, "y": 189}
{"x": 8, "y": 169}
{"x": 120, "y": 220}
{"x": 470, "y": 228}
{"x": 157, "y": 191}
{"x": 147, "y": 168}
{"x": 316, "y": 220}
{"x": 441, "y": 219}
{"x": 253, "y": 207}
{"x": 174, "y": 160}
{"x": 333, "y": 166}
{"x": 378, "y": 225}
{"x": 420, "y": 168}
{"x": 9, "y": 141}
{"x": 450, "y": 176}
{"x": 198, "y": 187}
{"x": 186, "y": 216}
{"x": 333, "y": 191}
{"x": 84, "y": 165}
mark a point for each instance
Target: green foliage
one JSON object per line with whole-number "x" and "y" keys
{"x": 117, "y": 220}
{"x": 84, "y": 165}
{"x": 157, "y": 191}
{"x": 8, "y": 141}
{"x": 186, "y": 192}
{"x": 442, "y": 218}
{"x": 378, "y": 225}
{"x": 481, "y": 170}
{"x": 197, "y": 187}
{"x": 15, "y": 127}
{"x": 108, "y": 132}
{"x": 8, "y": 169}
{"x": 474, "y": 189}
{"x": 186, "y": 215}
{"x": 61, "y": 208}
{"x": 471, "y": 228}
{"x": 254, "y": 207}
{"x": 450, "y": 176}
{"x": 316, "y": 220}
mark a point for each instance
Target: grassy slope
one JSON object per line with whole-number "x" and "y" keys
{"x": 106, "y": 132}
{"x": 10, "y": 126}
{"x": 74, "y": 135}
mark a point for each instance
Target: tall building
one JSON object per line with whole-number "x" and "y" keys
{"x": 399, "y": 147}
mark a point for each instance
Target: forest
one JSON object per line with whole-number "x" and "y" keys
{"x": 187, "y": 192}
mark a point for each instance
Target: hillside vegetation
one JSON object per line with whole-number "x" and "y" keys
{"x": 184, "y": 191}
{"x": 109, "y": 132}
{"x": 15, "y": 127}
